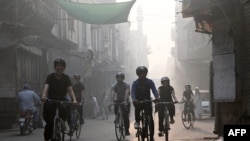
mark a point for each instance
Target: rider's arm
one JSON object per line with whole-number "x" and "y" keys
{"x": 71, "y": 93}
{"x": 45, "y": 92}
{"x": 153, "y": 88}
{"x": 83, "y": 94}
{"x": 127, "y": 93}
{"x": 133, "y": 89}
{"x": 113, "y": 93}
{"x": 173, "y": 95}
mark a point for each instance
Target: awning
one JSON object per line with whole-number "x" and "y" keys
{"x": 11, "y": 34}
{"x": 191, "y": 8}
{"x": 108, "y": 13}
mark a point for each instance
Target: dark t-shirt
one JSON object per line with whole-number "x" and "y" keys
{"x": 78, "y": 88}
{"x": 187, "y": 94}
{"x": 166, "y": 93}
{"x": 58, "y": 87}
{"x": 120, "y": 89}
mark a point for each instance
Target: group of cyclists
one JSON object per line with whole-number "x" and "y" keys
{"x": 140, "y": 91}
{"x": 58, "y": 85}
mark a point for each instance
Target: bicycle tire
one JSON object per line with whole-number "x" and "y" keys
{"x": 72, "y": 125}
{"x": 78, "y": 126}
{"x": 58, "y": 131}
{"x": 118, "y": 128}
{"x": 166, "y": 127}
{"x": 150, "y": 128}
{"x": 186, "y": 123}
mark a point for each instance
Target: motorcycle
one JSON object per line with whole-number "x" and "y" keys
{"x": 25, "y": 122}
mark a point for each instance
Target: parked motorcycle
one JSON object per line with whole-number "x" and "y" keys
{"x": 25, "y": 122}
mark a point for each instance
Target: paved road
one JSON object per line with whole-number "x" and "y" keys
{"x": 103, "y": 130}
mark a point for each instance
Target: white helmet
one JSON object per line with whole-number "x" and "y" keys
{"x": 164, "y": 79}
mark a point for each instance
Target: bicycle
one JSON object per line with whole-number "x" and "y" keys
{"x": 166, "y": 118}
{"x": 119, "y": 121}
{"x": 75, "y": 124}
{"x": 59, "y": 127}
{"x": 188, "y": 120}
{"x": 147, "y": 124}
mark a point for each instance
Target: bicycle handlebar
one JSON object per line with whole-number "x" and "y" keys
{"x": 61, "y": 102}
{"x": 166, "y": 103}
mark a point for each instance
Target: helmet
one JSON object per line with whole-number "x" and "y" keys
{"x": 77, "y": 76}
{"x": 141, "y": 69}
{"x": 164, "y": 79}
{"x": 188, "y": 85}
{"x": 59, "y": 60}
{"x": 120, "y": 74}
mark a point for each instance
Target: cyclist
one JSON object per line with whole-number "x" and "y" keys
{"x": 28, "y": 101}
{"x": 167, "y": 94}
{"x": 188, "y": 96}
{"x": 120, "y": 93}
{"x": 79, "y": 91}
{"x": 141, "y": 91}
{"x": 56, "y": 87}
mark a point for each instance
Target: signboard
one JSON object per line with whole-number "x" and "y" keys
{"x": 224, "y": 78}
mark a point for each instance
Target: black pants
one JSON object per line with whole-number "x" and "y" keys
{"x": 49, "y": 111}
{"x": 191, "y": 106}
{"x": 171, "y": 110}
{"x": 125, "y": 110}
{"x": 147, "y": 107}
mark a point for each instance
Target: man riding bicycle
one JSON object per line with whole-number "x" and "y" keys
{"x": 120, "y": 93}
{"x": 141, "y": 91}
{"x": 79, "y": 91}
{"x": 188, "y": 96}
{"x": 56, "y": 87}
{"x": 167, "y": 94}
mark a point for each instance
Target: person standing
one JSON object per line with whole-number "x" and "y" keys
{"x": 120, "y": 93}
{"x": 141, "y": 91}
{"x": 56, "y": 87}
{"x": 79, "y": 91}
{"x": 105, "y": 106}
{"x": 197, "y": 103}
{"x": 28, "y": 101}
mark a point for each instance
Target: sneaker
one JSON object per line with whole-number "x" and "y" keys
{"x": 70, "y": 133}
{"x": 172, "y": 121}
{"x": 137, "y": 125}
{"x": 160, "y": 134}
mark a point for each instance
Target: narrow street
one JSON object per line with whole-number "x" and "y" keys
{"x": 103, "y": 130}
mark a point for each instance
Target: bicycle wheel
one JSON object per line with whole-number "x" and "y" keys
{"x": 78, "y": 126}
{"x": 186, "y": 123}
{"x": 73, "y": 124}
{"x": 118, "y": 127}
{"x": 58, "y": 134}
{"x": 150, "y": 129}
{"x": 166, "y": 126}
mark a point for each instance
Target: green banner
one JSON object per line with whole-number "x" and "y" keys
{"x": 108, "y": 13}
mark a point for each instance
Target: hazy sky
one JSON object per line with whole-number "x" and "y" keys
{"x": 159, "y": 18}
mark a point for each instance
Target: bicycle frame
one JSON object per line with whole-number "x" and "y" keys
{"x": 166, "y": 118}
{"x": 145, "y": 118}
{"x": 120, "y": 129}
{"x": 189, "y": 123}
{"x": 58, "y": 118}
{"x": 75, "y": 125}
